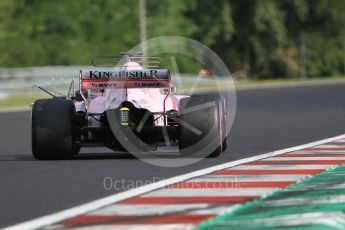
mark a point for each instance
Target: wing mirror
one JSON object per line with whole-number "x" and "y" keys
{"x": 172, "y": 90}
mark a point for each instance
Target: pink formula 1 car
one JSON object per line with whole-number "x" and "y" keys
{"x": 132, "y": 107}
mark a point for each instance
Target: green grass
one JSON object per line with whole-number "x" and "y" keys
{"x": 18, "y": 101}
{"x": 289, "y": 82}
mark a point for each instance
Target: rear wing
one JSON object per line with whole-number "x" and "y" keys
{"x": 144, "y": 61}
{"x": 115, "y": 79}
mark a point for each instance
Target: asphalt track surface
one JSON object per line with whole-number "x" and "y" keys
{"x": 266, "y": 120}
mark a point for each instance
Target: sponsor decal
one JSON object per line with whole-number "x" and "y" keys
{"x": 103, "y": 85}
{"x": 123, "y": 74}
{"x": 146, "y": 84}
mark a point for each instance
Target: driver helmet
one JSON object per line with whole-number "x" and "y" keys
{"x": 131, "y": 65}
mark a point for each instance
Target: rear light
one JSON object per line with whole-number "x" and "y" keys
{"x": 124, "y": 116}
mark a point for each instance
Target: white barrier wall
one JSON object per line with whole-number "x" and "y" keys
{"x": 58, "y": 78}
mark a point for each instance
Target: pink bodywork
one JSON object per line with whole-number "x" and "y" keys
{"x": 148, "y": 98}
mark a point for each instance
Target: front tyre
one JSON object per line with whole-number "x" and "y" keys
{"x": 52, "y": 133}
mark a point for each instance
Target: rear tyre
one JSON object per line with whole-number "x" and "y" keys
{"x": 225, "y": 144}
{"x": 52, "y": 129}
{"x": 200, "y": 133}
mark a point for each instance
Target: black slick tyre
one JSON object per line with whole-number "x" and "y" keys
{"x": 52, "y": 129}
{"x": 200, "y": 121}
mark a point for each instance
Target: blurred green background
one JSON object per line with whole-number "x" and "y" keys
{"x": 257, "y": 39}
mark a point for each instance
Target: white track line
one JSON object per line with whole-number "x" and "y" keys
{"x": 278, "y": 167}
{"x": 318, "y": 152}
{"x": 331, "y": 146}
{"x": 93, "y": 205}
{"x": 303, "y": 158}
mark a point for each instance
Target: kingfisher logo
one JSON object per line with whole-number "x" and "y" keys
{"x": 123, "y": 74}
{"x": 146, "y": 84}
